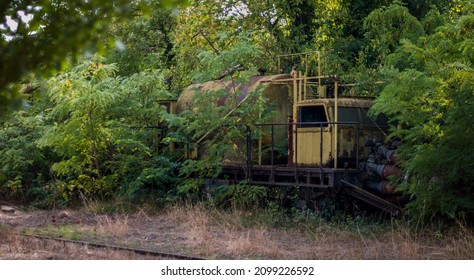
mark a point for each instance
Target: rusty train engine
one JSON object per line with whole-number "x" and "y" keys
{"x": 331, "y": 143}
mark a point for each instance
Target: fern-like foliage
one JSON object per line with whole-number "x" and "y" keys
{"x": 430, "y": 97}
{"x": 103, "y": 128}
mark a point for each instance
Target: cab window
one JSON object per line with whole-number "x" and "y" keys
{"x": 360, "y": 115}
{"x": 312, "y": 114}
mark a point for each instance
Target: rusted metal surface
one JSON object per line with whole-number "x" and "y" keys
{"x": 309, "y": 177}
{"x": 238, "y": 91}
{"x": 389, "y": 154}
{"x": 359, "y": 102}
{"x": 385, "y": 171}
{"x": 291, "y": 151}
{"x": 372, "y": 199}
{"x": 383, "y": 187}
{"x": 390, "y": 170}
{"x": 287, "y": 175}
{"x": 235, "y": 95}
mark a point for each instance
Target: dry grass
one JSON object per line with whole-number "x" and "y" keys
{"x": 114, "y": 226}
{"x": 217, "y": 234}
{"x": 210, "y": 233}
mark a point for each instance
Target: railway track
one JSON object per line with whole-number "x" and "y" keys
{"x": 139, "y": 251}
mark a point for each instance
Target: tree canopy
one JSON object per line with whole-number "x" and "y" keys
{"x": 37, "y": 36}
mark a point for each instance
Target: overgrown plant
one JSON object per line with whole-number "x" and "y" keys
{"x": 77, "y": 130}
{"x": 238, "y": 196}
{"x": 24, "y": 169}
{"x": 211, "y": 131}
{"x": 219, "y": 133}
{"x": 429, "y": 96}
{"x": 103, "y": 128}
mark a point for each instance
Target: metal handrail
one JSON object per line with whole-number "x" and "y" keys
{"x": 319, "y": 125}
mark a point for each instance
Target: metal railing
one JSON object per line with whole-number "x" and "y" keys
{"x": 293, "y": 147}
{"x": 251, "y": 135}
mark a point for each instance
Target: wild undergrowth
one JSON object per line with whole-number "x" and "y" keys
{"x": 304, "y": 235}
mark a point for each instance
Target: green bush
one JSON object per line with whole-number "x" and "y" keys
{"x": 429, "y": 95}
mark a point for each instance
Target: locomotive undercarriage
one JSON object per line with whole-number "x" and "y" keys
{"x": 313, "y": 183}
{"x": 367, "y": 181}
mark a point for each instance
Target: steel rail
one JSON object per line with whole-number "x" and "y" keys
{"x": 139, "y": 251}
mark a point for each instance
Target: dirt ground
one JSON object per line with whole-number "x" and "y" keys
{"x": 135, "y": 231}
{"x": 193, "y": 231}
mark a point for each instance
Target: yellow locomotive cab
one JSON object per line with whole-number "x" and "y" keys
{"x": 315, "y": 133}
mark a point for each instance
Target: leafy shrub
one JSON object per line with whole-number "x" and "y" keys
{"x": 429, "y": 97}
{"x": 24, "y": 166}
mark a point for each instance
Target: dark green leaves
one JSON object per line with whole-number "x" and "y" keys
{"x": 430, "y": 96}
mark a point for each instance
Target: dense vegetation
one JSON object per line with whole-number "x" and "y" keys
{"x": 88, "y": 124}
